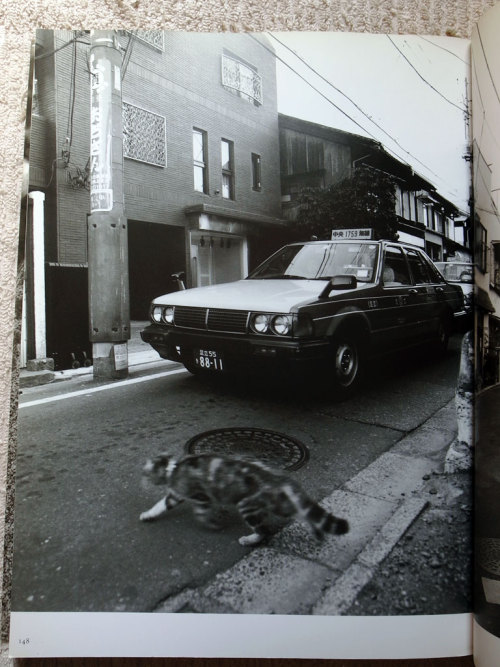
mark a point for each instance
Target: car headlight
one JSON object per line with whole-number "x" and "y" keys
{"x": 156, "y": 314}
{"x": 260, "y": 322}
{"x": 168, "y": 315}
{"x": 282, "y": 324}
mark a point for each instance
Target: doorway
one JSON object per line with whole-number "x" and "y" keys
{"x": 217, "y": 258}
{"x": 155, "y": 252}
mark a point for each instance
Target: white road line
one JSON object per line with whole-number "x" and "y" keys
{"x": 93, "y": 390}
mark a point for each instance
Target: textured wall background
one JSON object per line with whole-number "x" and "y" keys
{"x": 18, "y": 21}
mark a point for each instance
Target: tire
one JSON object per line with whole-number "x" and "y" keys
{"x": 348, "y": 364}
{"x": 193, "y": 368}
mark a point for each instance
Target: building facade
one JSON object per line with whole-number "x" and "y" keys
{"x": 200, "y": 169}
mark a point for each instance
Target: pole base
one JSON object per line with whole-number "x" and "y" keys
{"x": 110, "y": 361}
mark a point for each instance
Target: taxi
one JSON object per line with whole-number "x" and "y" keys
{"x": 326, "y": 304}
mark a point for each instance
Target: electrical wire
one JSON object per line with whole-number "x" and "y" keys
{"x": 440, "y": 46}
{"x": 487, "y": 63}
{"x": 356, "y": 106}
{"x": 465, "y": 111}
{"x": 51, "y": 53}
{"x": 344, "y": 113}
{"x": 72, "y": 100}
{"x": 394, "y": 153}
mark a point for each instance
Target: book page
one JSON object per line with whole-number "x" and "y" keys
{"x": 232, "y": 242}
{"x": 486, "y": 181}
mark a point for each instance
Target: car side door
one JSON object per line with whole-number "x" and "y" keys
{"x": 425, "y": 292}
{"x": 396, "y": 317}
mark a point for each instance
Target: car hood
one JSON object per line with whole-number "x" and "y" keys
{"x": 262, "y": 295}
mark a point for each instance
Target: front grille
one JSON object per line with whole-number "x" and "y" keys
{"x": 193, "y": 318}
{"x": 212, "y": 319}
{"x": 227, "y": 320}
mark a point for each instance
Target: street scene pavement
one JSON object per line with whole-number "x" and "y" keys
{"x": 376, "y": 459}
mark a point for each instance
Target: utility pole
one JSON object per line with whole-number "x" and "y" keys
{"x": 107, "y": 226}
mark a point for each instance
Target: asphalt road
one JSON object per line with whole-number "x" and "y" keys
{"x": 79, "y": 545}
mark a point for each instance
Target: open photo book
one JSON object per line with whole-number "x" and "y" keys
{"x": 259, "y": 348}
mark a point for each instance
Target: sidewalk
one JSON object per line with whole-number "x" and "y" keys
{"x": 138, "y": 353}
{"x": 381, "y": 502}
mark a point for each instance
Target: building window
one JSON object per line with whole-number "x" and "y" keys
{"x": 481, "y": 248}
{"x": 144, "y": 137}
{"x": 200, "y": 160}
{"x": 227, "y": 157}
{"x": 495, "y": 273}
{"x": 242, "y": 79}
{"x": 154, "y": 38}
{"x": 256, "y": 176}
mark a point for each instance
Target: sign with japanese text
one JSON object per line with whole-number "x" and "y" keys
{"x": 101, "y": 191}
{"x": 348, "y": 234}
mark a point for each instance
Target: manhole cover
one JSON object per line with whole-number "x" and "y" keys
{"x": 274, "y": 449}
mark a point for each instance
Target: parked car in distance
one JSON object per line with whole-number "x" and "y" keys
{"x": 330, "y": 304}
{"x": 460, "y": 273}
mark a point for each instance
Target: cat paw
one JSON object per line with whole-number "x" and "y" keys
{"x": 250, "y": 540}
{"x": 145, "y": 516}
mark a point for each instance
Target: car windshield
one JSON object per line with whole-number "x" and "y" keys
{"x": 456, "y": 272}
{"x": 320, "y": 261}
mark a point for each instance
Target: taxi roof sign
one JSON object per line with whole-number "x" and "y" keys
{"x": 350, "y": 234}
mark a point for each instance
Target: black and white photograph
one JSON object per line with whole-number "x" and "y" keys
{"x": 247, "y": 370}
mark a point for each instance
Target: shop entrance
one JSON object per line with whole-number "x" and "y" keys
{"x": 217, "y": 258}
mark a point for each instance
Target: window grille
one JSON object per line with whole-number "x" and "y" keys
{"x": 144, "y": 135}
{"x": 154, "y": 38}
{"x": 242, "y": 78}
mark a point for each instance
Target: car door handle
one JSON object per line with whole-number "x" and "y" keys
{"x": 413, "y": 291}
{"x": 439, "y": 289}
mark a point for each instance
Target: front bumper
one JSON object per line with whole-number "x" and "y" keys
{"x": 238, "y": 350}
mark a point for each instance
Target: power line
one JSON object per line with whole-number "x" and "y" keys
{"x": 308, "y": 83}
{"x": 344, "y": 113}
{"x": 354, "y": 104}
{"x": 440, "y": 46}
{"x": 51, "y": 53}
{"x": 424, "y": 79}
{"x": 487, "y": 63}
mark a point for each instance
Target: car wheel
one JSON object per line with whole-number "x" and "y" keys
{"x": 193, "y": 368}
{"x": 348, "y": 364}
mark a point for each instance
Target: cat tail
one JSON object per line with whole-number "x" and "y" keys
{"x": 321, "y": 521}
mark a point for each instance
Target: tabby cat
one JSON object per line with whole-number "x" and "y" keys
{"x": 261, "y": 496}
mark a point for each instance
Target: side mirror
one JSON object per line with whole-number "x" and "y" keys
{"x": 340, "y": 282}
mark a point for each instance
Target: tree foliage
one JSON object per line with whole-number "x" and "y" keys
{"x": 367, "y": 199}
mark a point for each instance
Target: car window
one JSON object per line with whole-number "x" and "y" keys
{"x": 419, "y": 270}
{"x": 456, "y": 272}
{"x": 320, "y": 261}
{"x": 395, "y": 269}
{"x": 437, "y": 277}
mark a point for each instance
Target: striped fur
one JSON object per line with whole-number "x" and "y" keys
{"x": 264, "y": 498}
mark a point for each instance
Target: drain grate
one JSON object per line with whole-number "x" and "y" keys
{"x": 270, "y": 447}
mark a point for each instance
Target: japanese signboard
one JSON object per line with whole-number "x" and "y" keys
{"x": 347, "y": 234}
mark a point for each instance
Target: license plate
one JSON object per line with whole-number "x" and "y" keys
{"x": 210, "y": 360}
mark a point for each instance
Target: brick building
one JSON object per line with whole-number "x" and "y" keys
{"x": 201, "y": 165}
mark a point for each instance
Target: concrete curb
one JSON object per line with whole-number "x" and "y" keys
{"x": 29, "y": 379}
{"x": 381, "y": 502}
